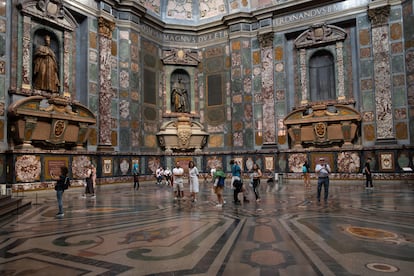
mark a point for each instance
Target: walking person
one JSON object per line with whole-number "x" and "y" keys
{"x": 256, "y": 175}
{"x": 178, "y": 181}
{"x": 93, "y": 179}
{"x": 193, "y": 179}
{"x": 60, "y": 186}
{"x": 368, "y": 175}
{"x": 306, "y": 174}
{"x": 219, "y": 180}
{"x": 135, "y": 172}
{"x": 323, "y": 170}
{"x": 236, "y": 182}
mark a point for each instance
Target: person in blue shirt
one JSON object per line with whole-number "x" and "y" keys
{"x": 236, "y": 182}
{"x": 135, "y": 172}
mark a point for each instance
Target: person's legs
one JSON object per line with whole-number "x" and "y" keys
{"x": 326, "y": 191}
{"x": 320, "y": 181}
{"x": 59, "y": 196}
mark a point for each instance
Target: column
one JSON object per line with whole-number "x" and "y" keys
{"x": 382, "y": 72}
{"x": 105, "y": 93}
{"x": 269, "y": 125}
{"x": 303, "y": 76}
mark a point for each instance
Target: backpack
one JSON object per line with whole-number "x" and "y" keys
{"x": 66, "y": 184}
{"x": 304, "y": 169}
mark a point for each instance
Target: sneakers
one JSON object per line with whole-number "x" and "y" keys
{"x": 258, "y": 200}
{"x": 94, "y": 196}
{"x": 83, "y": 196}
{"x": 219, "y": 205}
{"x": 60, "y": 215}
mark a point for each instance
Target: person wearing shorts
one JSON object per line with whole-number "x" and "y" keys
{"x": 178, "y": 181}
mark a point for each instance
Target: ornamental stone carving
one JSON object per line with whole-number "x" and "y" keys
{"x": 320, "y": 34}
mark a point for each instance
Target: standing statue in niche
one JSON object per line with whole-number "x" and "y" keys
{"x": 179, "y": 97}
{"x": 45, "y": 70}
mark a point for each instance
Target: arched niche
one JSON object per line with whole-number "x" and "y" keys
{"x": 180, "y": 92}
{"x": 318, "y": 44}
{"x": 322, "y": 76}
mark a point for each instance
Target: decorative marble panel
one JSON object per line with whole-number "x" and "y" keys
{"x": 369, "y": 132}
{"x": 296, "y": 162}
{"x": 401, "y": 131}
{"x": 179, "y": 9}
{"x": 348, "y": 162}
{"x": 212, "y": 8}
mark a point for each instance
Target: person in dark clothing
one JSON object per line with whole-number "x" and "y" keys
{"x": 59, "y": 187}
{"x": 368, "y": 175}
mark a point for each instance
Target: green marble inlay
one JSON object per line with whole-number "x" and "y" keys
{"x": 114, "y": 78}
{"x": 280, "y": 109}
{"x": 124, "y": 51}
{"x": 368, "y": 100}
{"x": 255, "y": 44}
{"x": 397, "y": 64}
{"x": 93, "y": 24}
{"x": 114, "y": 109}
{"x": 399, "y": 97}
{"x": 134, "y": 111}
{"x": 257, "y": 84}
{"x": 395, "y": 14}
{"x": 246, "y": 58}
{"x": 366, "y": 68}
{"x": 236, "y": 86}
{"x": 279, "y": 39}
{"x": 258, "y": 111}
{"x": 2, "y": 87}
{"x": 124, "y": 138}
{"x": 93, "y": 104}
{"x": 363, "y": 22}
{"x": 280, "y": 79}
{"x": 93, "y": 72}
{"x": 134, "y": 81}
{"x": 238, "y": 111}
{"x": 248, "y": 138}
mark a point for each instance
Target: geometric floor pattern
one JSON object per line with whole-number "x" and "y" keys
{"x": 146, "y": 232}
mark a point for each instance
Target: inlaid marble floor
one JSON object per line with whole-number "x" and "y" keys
{"x": 122, "y": 232}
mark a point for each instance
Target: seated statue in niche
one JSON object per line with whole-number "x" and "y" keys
{"x": 45, "y": 69}
{"x": 179, "y": 97}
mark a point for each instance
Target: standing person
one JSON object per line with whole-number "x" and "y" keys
{"x": 60, "y": 188}
{"x": 323, "y": 170}
{"x": 368, "y": 175}
{"x": 306, "y": 174}
{"x": 167, "y": 175}
{"x": 93, "y": 178}
{"x": 236, "y": 182}
{"x": 219, "y": 180}
{"x": 256, "y": 175}
{"x": 135, "y": 172}
{"x": 178, "y": 183}
{"x": 89, "y": 185}
{"x": 194, "y": 184}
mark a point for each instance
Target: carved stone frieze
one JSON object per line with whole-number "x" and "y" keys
{"x": 320, "y": 34}
{"x": 180, "y": 57}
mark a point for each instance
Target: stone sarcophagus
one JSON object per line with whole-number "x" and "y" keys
{"x": 323, "y": 125}
{"x": 182, "y": 135}
{"x": 49, "y": 123}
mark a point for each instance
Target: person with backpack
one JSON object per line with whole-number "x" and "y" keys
{"x": 61, "y": 185}
{"x": 218, "y": 180}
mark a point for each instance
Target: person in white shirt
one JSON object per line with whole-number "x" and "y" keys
{"x": 194, "y": 184}
{"x": 178, "y": 181}
{"x": 167, "y": 175}
{"x": 323, "y": 170}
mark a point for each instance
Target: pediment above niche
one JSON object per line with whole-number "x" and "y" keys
{"x": 320, "y": 34}
{"x": 52, "y": 11}
{"x": 180, "y": 57}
